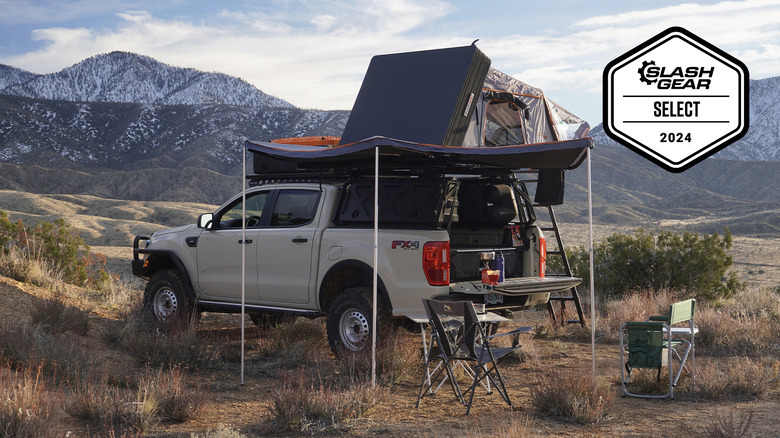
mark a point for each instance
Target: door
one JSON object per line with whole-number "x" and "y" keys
{"x": 285, "y": 248}
{"x": 219, "y": 250}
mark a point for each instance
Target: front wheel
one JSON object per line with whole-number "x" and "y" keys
{"x": 165, "y": 298}
{"x": 349, "y": 321}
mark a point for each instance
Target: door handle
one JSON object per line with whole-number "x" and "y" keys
{"x": 247, "y": 241}
{"x": 300, "y": 240}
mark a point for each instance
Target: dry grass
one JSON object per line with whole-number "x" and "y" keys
{"x": 727, "y": 423}
{"x": 107, "y": 408}
{"x": 26, "y": 406}
{"x": 516, "y": 426}
{"x": 572, "y": 397}
{"x": 746, "y": 325}
{"x": 735, "y": 378}
{"x": 20, "y": 266}
{"x": 306, "y": 403}
{"x": 300, "y": 341}
{"x": 55, "y": 316}
{"x": 125, "y": 410}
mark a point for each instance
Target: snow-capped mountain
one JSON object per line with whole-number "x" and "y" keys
{"x": 762, "y": 141}
{"x": 58, "y": 134}
{"x": 124, "y": 111}
{"x": 130, "y": 78}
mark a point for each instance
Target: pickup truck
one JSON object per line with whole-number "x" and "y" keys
{"x": 310, "y": 245}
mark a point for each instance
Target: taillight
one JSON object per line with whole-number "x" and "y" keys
{"x": 542, "y": 256}
{"x": 436, "y": 263}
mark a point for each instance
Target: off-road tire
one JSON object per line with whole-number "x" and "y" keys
{"x": 349, "y": 321}
{"x": 165, "y": 297}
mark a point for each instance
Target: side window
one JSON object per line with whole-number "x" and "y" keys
{"x": 231, "y": 216}
{"x": 295, "y": 207}
{"x": 504, "y": 124}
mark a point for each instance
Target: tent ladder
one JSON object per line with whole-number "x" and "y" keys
{"x": 569, "y": 295}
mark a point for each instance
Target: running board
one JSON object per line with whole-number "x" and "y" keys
{"x": 216, "y": 306}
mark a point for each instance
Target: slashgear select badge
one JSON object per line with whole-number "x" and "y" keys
{"x": 676, "y": 99}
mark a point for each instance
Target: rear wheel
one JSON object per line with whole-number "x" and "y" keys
{"x": 349, "y": 321}
{"x": 165, "y": 298}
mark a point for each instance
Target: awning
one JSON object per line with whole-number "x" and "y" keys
{"x": 401, "y": 154}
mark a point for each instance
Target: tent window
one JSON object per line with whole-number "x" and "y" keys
{"x": 504, "y": 124}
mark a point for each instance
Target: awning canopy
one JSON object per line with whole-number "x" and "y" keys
{"x": 394, "y": 153}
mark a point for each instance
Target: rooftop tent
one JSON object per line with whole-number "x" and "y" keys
{"x": 451, "y": 97}
{"x": 511, "y": 112}
{"x": 425, "y": 96}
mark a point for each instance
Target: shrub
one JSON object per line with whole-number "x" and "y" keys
{"x": 53, "y": 244}
{"x": 643, "y": 261}
{"x": 571, "y": 397}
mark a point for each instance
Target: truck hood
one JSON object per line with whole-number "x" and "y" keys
{"x": 173, "y": 230}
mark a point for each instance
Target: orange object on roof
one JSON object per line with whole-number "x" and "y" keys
{"x": 316, "y": 140}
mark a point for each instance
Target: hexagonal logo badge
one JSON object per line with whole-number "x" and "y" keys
{"x": 676, "y": 99}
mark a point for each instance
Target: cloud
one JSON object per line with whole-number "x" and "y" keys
{"x": 316, "y": 63}
{"x": 314, "y": 54}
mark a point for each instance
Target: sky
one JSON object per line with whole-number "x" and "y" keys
{"x": 314, "y": 53}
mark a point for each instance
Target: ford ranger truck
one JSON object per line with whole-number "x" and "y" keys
{"x": 309, "y": 251}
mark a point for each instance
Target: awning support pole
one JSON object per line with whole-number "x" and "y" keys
{"x": 376, "y": 261}
{"x": 243, "y": 262}
{"x": 592, "y": 287}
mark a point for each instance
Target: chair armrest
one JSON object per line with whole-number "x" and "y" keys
{"x": 516, "y": 331}
{"x": 658, "y": 318}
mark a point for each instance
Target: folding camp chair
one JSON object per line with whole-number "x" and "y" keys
{"x": 458, "y": 336}
{"x": 648, "y": 343}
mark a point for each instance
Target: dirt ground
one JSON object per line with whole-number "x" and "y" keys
{"x": 247, "y": 408}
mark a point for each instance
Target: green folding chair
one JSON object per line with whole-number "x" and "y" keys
{"x": 656, "y": 342}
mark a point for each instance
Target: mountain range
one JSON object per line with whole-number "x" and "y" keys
{"x": 124, "y": 126}
{"x": 122, "y": 77}
{"x": 126, "y": 111}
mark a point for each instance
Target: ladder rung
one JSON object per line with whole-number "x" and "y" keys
{"x": 561, "y": 298}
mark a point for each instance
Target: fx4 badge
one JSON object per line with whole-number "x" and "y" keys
{"x": 406, "y": 244}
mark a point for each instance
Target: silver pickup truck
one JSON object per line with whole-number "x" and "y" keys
{"x": 310, "y": 245}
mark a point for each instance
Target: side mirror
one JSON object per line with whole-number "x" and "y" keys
{"x": 205, "y": 220}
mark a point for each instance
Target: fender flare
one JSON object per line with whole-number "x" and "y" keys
{"x": 177, "y": 263}
{"x": 325, "y": 297}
